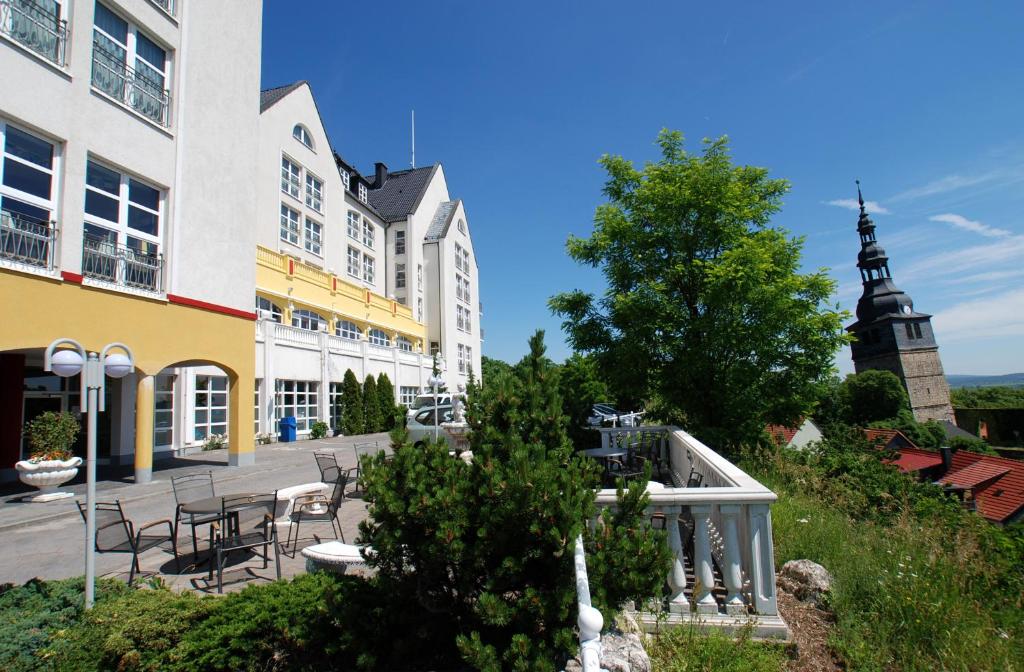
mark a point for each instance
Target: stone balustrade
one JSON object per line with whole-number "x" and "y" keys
{"x": 719, "y": 530}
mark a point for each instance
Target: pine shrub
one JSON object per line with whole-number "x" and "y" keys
{"x": 372, "y": 420}
{"x": 386, "y": 397}
{"x": 351, "y": 405}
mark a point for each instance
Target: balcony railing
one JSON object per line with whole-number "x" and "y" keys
{"x": 27, "y": 241}
{"x": 719, "y": 529}
{"x": 121, "y": 265}
{"x": 113, "y": 77}
{"x": 166, "y": 5}
{"x": 35, "y": 27}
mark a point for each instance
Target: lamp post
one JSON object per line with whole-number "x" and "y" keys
{"x": 436, "y": 381}
{"x": 94, "y": 369}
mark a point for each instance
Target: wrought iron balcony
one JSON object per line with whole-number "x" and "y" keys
{"x": 27, "y": 241}
{"x": 121, "y": 265}
{"x": 113, "y": 77}
{"x": 35, "y": 27}
{"x": 166, "y": 5}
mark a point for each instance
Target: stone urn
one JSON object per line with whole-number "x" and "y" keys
{"x": 48, "y": 476}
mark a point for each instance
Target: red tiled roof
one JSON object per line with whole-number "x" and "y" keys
{"x": 1000, "y": 497}
{"x": 782, "y": 435}
{"x": 973, "y": 475}
{"x": 915, "y": 459}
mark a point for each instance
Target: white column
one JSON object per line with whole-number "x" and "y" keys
{"x": 677, "y": 603}
{"x": 703, "y": 569}
{"x": 762, "y": 570}
{"x": 323, "y": 406}
{"x": 364, "y": 349}
{"x": 731, "y": 559}
{"x": 267, "y": 423}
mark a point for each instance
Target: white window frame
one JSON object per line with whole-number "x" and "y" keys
{"x": 308, "y": 320}
{"x": 312, "y": 238}
{"x": 302, "y": 134}
{"x": 369, "y": 235}
{"x": 363, "y": 194}
{"x": 399, "y": 241}
{"x": 460, "y": 320}
{"x": 121, "y": 227}
{"x": 419, "y": 309}
{"x": 307, "y": 392}
{"x": 378, "y": 337}
{"x": 399, "y": 276}
{"x": 403, "y": 343}
{"x": 212, "y": 405}
{"x": 354, "y": 225}
{"x": 458, "y": 286}
{"x": 354, "y": 262}
{"x": 346, "y": 179}
{"x": 407, "y": 395}
{"x": 347, "y": 329}
{"x": 458, "y": 257}
{"x": 462, "y": 226}
{"x": 419, "y": 278}
{"x": 267, "y": 308}
{"x": 465, "y": 290}
{"x": 462, "y": 358}
{"x": 291, "y": 180}
{"x": 314, "y": 192}
{"x": 48, "y": 204}
{"x": 291, "y": 227}
{"x": 369, "y": 269}
{"x": 469, "y": 359}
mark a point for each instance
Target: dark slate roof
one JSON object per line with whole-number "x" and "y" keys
{"x": 270, "y": 96}
{"x": 442, "y": 218}
{"x": 401, "y": 192}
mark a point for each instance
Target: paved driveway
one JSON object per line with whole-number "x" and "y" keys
{"x": 48, "y": 540}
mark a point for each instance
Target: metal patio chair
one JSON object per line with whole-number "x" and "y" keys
{"x": 116, "y": 534}
{"x": 246, "y": 523}
{"x": 360, "y": 449}
{"x": 189, "y": 488}
{"x": 330, "y": 470}
{"x": 319, "y": 508}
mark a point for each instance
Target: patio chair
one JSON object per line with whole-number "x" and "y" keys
{"x": 694, "y": 479}
{"x": 117, "y": 534}
{"x": 246, "y": 523}
{"x": 189, "y": 488}
{"x": 319, "y": 508}
{"x": 628, "y": 470}
{"x": 361, "y": 449}
{"x": 330, "y": 471}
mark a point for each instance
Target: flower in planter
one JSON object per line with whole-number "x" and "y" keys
{"x": 51, "y": 435}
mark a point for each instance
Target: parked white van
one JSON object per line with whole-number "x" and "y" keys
{"x": 421, "y": 425}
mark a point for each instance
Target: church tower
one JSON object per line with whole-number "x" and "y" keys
{"x": 891, "y": 335}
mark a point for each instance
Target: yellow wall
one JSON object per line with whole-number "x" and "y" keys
{"x": 330, "y": 295}
{"x": 39, "y": 310}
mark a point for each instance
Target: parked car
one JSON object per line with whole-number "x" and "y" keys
{"x": 421, "y": 425}
{"x": 605, "y": 415}
{"x": 427, "y": 401}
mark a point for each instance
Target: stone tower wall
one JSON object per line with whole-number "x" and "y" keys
{"x": 926, "y": 384}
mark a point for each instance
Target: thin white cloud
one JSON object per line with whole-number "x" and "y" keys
{"x": 991, "y": 276}
{"x": 978, "y": 319}
{"x": 1008, "y": 251}
{"x": 851, "y": 204}
{"x": 942, "y": 185}
{"x": 961, "y": 222}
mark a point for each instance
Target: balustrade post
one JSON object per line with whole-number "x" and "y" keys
{"x": 677, "y": 603}
{"x": 731, "y": 559}
{"x": 604, "y": 439}
{"x": 762, "y": 571}
{"x": 703, "y": 569}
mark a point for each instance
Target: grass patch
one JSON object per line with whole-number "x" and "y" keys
{"x": 912, "y": 590}
{"x": 691, "y": 649}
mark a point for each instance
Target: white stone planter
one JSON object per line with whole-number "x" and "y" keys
{"x": 48, "y": 476}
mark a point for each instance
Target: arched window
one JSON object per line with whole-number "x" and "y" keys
{"x": 307, "y": 319}
{"x": 403, "y": 343}
{"x": 378, "y": 337}
{"x": 301, "y": 134}
{"x": 462, "y": 226}
{"x": 267, "y": 308}
{"x": 346, "y": 329}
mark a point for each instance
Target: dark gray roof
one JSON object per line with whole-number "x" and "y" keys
{"x": 270, "y": 96}
{"x": 442, "y": 218}
{"x": 952, "y": 430}
{"x": 401, "y": 192}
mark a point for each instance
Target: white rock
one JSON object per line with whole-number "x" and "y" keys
{"x": 807, "y": 580}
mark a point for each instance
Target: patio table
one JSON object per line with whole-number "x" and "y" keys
{"x": 209, "y": 505}
{"x": 605, "y": 453}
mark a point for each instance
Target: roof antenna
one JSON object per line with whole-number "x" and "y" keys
{"x": 413, "y": 163}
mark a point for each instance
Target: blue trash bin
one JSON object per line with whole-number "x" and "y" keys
{"x": 286, "y": 427}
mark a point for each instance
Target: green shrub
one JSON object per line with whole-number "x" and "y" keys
{"x": 386, "y": 399}
{"x": 30, "y": 613}
{"x": 970, "y": 444}
{"x": 372, "y": 420}
{"x": 318, "y": 430}
{"x": 352, "y": 405}
{"x": 51, "y": 434}
{"x": 139, "y": 630}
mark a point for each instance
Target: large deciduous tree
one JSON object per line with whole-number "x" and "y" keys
{"x": 706, "y": 315}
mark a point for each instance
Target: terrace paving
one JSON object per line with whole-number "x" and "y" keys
{"x": 47, "y": 540}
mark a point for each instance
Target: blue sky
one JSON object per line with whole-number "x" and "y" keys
{"x": 923, "y": 102}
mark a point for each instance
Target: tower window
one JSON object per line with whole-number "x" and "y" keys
{"x": 875, "y": 336}
{"x": 917, "y": 330}
{"x": 910, "y": 330}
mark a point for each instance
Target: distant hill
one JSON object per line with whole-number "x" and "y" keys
{"x": 1009, "y": 379}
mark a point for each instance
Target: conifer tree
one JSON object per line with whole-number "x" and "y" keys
{"x": 351, "y": 405}
{"x": 372, "y": 421}
{"x": 479, "y": 555}
{"x": 386, "y": 397}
